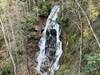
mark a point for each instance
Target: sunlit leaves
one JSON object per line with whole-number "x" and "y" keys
{"x": 92, "y": 64}
{"x": 94, "y": 14}
{"x": 93, "y": 11}
{"x": 86, "y": 33}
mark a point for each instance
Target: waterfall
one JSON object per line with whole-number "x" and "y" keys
{"x": 50, "y": 45}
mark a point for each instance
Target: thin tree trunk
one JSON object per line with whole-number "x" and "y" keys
{"x": 89, "y": 23}
{"x": 8, "y": 48}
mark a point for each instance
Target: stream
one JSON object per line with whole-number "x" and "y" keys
{"x": 50, "y": 45}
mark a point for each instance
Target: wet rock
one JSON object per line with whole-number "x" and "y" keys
{"x": 48, "y": 39}
{"x": 47, "y": 51}
{"x": 36, "y": 28}
{"x": 53, "y": 32}
{"x": 47, "y": 33}
{"x": 37, "y": 74}
{"x": 42, "y": 30}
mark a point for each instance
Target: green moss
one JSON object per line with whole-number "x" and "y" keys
{"x": 44, "y": 7}
{"x": 64, "y": 22}
{"x": 28, "y": 25}
{"x": 6, "y": 70}
{"x": 63, "y": 70}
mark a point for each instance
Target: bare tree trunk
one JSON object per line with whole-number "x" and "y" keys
{"x": 8, "y": 47}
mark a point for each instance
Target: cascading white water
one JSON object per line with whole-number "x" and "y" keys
{"x": 50, "y": 45}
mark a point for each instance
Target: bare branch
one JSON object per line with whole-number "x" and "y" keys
{"x": 8, "y": 48}
{"x": 81, "y": 42}
{"x": 89, "y": 24}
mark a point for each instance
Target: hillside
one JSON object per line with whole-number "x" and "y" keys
{"x": 21, "y": 24}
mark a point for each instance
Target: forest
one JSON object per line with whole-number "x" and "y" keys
{"x": 21, "y": 26}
